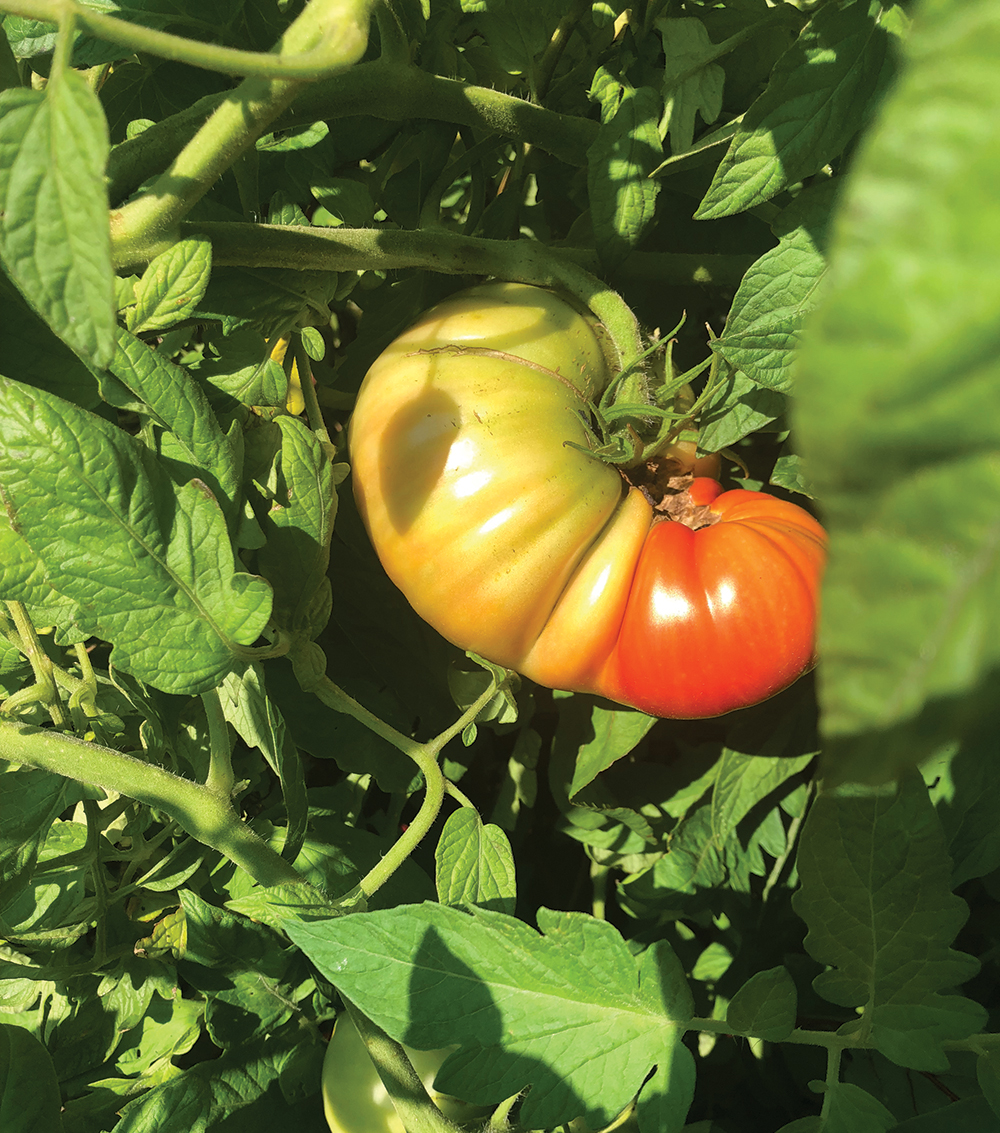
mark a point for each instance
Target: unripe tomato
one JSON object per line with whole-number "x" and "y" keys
{"x": 518, "y": 546}
{"x": 354, "y": 1097}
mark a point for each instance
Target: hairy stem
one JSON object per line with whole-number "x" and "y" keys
{"x": 287, "y": 64}
{"x": 205, "y": 815}
{"x": 148, "y": 224}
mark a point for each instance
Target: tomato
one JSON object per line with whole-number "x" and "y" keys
{"x": 469, "y": 449}
{"x": 354, "y": 1098}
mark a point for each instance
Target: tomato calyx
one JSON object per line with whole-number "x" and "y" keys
{"x": 668, "y": 490}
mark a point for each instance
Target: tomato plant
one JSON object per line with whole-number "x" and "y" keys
{"x": 631, "y": 280}
{"x": 469, "y": 446}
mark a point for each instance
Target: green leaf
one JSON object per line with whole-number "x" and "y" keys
{"x": 259, "y": 724}
{"x": 899, "y": 414}
{"x": 571, "y": 1013}
{"x": 54, "y": 236}
{"x": 475, "y": 865}
{"x": 765, "y": 1005}
{"x": 745, "y": 780}
{"x": 627, "y": 149}
{"x": 686, "y": 45}
{"x": 663, "y": 1103}
{"x": 270, "y": 300}
{"x": 739, "y": 408}
{"x": 988, "y": 1076}
{"x": 32, "y": 799}
{"x": 194, "y": 444}
{"x": 245, "y": 369}
{"x": 853, "y": 1110}
{"x": 92, "y": 516}
{"x": 172, "y": 286}
{"x": 35, "y": 355}
{"x": 821, "y": 92}
{"x": 599, "y": 736}
{"x": 298, "y": 528}
{"x": 965, "y": 788}
{"x": 29, "y": 1091}
{"x": 876, "y": 895}
{"x": 778, "y": 291}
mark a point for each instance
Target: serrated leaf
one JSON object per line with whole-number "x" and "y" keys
{"x": 29, "y": 1091}
{"x": 739, "y": 407}
{"x": 92, "y": 517}
{"x": 195, "y": 444}
{"x": 298, "y": 528}
{"x": 899, "y": 410}
{"x": 821, "y": 92}
{"x": 742, "y": 781}
{"x": 876, "y": 895}
{"x": 259, "y": 723}
{"x": 627, "y": 149}
{"x": 571, "y": 1013}
{"x": 475, "y": 864}
{"x": 686, "y": 45}
{"x": 765, "y": 1005}
{"x": 172, "y": 286}
{"x": 776, "y": 294}
{"x": 54, "y": 236}
{"x": 599, "y": 736}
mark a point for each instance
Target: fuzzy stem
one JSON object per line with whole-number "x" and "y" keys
{"x": 205, "y": 815}
{"x": 416, "y": 1110}
{"x": 269, "y": 245}
{"x": 147, "y": 225}
{"x": 306, "y": 64}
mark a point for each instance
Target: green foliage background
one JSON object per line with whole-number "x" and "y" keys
{"x": 221, "y": 725}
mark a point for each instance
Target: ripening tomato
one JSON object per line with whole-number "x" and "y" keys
{"x": 354, "y": 1097}
{"x": 519, "y": 546}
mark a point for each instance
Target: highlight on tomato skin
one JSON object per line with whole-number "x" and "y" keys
{"x": 723, "y": 615}
{"x": 468, "y": 445}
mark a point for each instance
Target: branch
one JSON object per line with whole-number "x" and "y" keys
{"x": 205, "y": 815}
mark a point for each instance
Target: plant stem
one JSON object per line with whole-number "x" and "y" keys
{"x": 220, "y": 764}
{"x": 269, "y": 245}
{"x": 382, "y": 89}
{"x": 41, "y": 663}
{"x": 201, "y": 812}
{"x": 301, "y": 65}
{"x": 309, "y": 663}
{"x": 148, "y": 224}
{"x": 416, "y": 1110}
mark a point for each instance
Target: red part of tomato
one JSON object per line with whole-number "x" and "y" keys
{"x": 471, "y": 471}
{"x": 723, "y": 615}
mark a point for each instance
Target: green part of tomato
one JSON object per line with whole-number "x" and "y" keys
{"x": 471, "y": 449}
{"x": 355, "y": 1099}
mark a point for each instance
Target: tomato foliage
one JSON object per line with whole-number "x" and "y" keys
{"x": 512, "y": 800}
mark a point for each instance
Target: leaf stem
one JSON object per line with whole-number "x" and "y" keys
{"x": 416, "y": 1110}
{"x": 198, "y": 810}
{"x": 220, "y": 777}
{"x": 309, "y": 663}
{"x": 41, "y": 664}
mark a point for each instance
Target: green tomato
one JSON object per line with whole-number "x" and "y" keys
{"x": 355, "y": 1099}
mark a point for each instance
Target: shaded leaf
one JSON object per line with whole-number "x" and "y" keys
{"x": 686, "y": 44}
{"x": 899, "y": 416}
{"x": 765, "y": 1005}
{"x": 570, "y": 1012}
{"x": 876, "y": 895}
{"x": 821, "y": 92}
